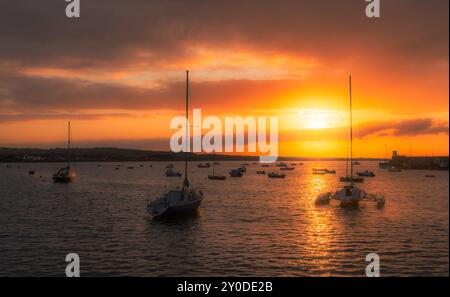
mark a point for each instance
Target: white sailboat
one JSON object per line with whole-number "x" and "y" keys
{"x": 65, "y": 174}
{"x": 178, "y": 202}
{"x": 350, "y": 195}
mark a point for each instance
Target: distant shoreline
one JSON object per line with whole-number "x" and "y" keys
{"x": 109, "y": 154}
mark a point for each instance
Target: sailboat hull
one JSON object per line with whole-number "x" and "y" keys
{"x": 180, "y": 210}
{"x": 63, "y": 179}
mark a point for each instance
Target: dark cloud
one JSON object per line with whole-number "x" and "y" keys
{"x": 403, "y": 128}
{"x": 114, "y": 34}
{"x": 111, "y": 33}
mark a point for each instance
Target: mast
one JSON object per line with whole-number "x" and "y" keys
{"x": 351, "y": 132}
{"x": 68, "y": 144}
{"x": 186, "y": 182}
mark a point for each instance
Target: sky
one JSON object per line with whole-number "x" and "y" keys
{"x": 117, "y": 72}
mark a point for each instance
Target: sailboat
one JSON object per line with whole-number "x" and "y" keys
{"x": 350, "y": 195}
{"x": 178, "y": 202}
{"x": 65, "y": 174}
{"x": 384, "y": 164}
{"x": 214, "y": 176}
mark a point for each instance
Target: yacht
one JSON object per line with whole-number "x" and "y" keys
{"x": 65, "y": 174}
{"x": 213, "y": 176}
{"x": 350, "y": 195}
{"x": 235, "y": 173}
{"x": 366, "y": 173}
{"x": 178, "y": 202}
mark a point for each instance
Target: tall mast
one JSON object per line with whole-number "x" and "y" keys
{"x": 186, "y": 182}
{"x": 68, "y": 144}
{"x": 351, "y": 132}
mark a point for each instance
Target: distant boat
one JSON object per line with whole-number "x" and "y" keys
{"x": 265, "y": 165}
{"x": 235, "y": 173}
{"x": 65, "y": 174}
{"x": 176, "y": 202}
{"x": 366, "y": 173}
{"x": 350, "y": 195}
{"x": 169, "y": 166}
{"x": 206, "y": 165}
{"x": 260, "y": 172}
{"x": 242, "y": 169}
{"x": 430, "y": 175}
{"x": 31, "y": 172}
{"x": 172, "y": 173}
{"x": 356, "y": 163}
{"x": 384, "y": 164}
{"x": 130, "y": 167}
{"x": 276, "y": 175}
{"x": 213, "y": 176}
{"x": 281, "y": 164}
{"x": 323, "y": 171}
{"x": 394, "y": 169}
{"x": 287, "y": 168}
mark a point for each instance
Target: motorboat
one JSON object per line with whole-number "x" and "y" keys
{"x": 366, "y": 173}
{"x": 276, "y": 175}
{"x": 235, "y": 173}
{"x": 172, "y": 173}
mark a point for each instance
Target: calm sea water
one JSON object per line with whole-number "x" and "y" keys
{"x": 250, "y": 226}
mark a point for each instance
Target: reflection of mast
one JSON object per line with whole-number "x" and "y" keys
{"x": 351, "y": 132}
{"x": 186, "y": 182}
{"x": 68, "y": 144}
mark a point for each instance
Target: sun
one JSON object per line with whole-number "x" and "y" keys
{"x": 315, "y": 123}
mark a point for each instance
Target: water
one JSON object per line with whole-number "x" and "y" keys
{"x": 250, "y": 226}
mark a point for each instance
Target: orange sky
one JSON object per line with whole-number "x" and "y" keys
{"x": 118, "y": 74}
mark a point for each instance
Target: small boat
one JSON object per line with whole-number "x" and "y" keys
{"x": 216, "y": 163}
{"x": 141, "y": 165}
{"x": 430, "y": 175}
{"x": 281, "y": 164}
{"x": 356, "y": 163}
{"x": 366, "y": 173}
{"x": 235, "y": 173}
{"x": 178, "y": 202}
{"x": 172, "y": 173}
{"x": 287, "y": 168}
{"x": 245, "y": 164}
{"x": 130, "y": 167}
{"x": 206, "y": 165}
{"x": 384, "y": 165}
{"x": 293, "y": 164}
{"x": 276, "y": 175}
{"x": 323, "y": 171}
{"x": 260, "y": 172}
{"x": 242, "y": 169}
{"x": 394, "y": 169}
{"x": 31, "y": 172}
{"x": 65, "y": 174}
{"x": 217, "y": 177}
{"x": 117, "y": 168}
{"x": 213, "y": 176}
{"x": 150, "y": 165}
{"x": 265, "y": 165}
{"x": 8, "y": 166}
{"x": 169, "y": 166}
